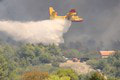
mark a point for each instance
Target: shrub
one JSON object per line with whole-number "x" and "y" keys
{"x": 35, "y": 75}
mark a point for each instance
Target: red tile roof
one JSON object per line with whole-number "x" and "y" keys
{"x": 106, "y": 53}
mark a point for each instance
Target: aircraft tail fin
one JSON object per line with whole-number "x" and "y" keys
{"x": 51, "y": 10}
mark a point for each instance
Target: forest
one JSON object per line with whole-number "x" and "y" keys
{"x": 41, "y": 62}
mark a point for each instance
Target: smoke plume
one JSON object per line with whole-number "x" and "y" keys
{"x": 100, "y": 25}
{"x": 46, "y": 31}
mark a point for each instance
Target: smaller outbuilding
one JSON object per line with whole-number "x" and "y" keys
{"x": 75, "y": 60}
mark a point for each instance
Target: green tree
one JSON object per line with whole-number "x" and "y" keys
{"x": 53, "y": 77}
{"x": 56, "y": 77}
{"x": 4, "y": 72}
{"x": 45, "y": 58}
{"x": 97, "y": 76}
{"x": 67, "y": 72}
{"x": 7, "y": 67}
{"x": 55, "y": 50}
{"x": 27, "y": 51}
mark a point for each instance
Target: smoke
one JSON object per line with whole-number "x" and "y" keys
{"x": 46, "y": 31}
{"x": 101, "y": 18}
{"x": 100, "y": 26}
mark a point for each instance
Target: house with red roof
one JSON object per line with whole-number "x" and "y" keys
{"x": 106, "y": 54}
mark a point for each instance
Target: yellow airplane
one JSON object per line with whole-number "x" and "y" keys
{"x": 71, "y": 15}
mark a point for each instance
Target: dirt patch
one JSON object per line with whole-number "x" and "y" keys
{"x": 78, "y": 67}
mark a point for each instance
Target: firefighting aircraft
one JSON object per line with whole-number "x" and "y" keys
{"x": 71, "y": 15}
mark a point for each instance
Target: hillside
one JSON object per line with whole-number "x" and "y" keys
{"x": 78, "y": 67}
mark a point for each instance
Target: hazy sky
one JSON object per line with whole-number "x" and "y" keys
{"x": 101, "y": 17}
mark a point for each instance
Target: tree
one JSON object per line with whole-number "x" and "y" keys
{"x": 4, "y": 72}
{"x": 27, "y": 51}
{"x": 97, "y": 76}
{"x": 55, "y": 50}
{"x": 35, "y": 75}
{"x": 45, "y": 58}
{"x": 67, "y": 72}
{"x": 56, "y": 77}
{"x": 72, "y": 53}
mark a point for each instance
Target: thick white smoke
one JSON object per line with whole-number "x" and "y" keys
{"x": 46, "y": 32}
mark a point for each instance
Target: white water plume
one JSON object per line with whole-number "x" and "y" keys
{"x": 46, "y": 31}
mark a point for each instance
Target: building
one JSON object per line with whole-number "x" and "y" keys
{"x": 106, "y": 54}
{"x": 75, "y": 60}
